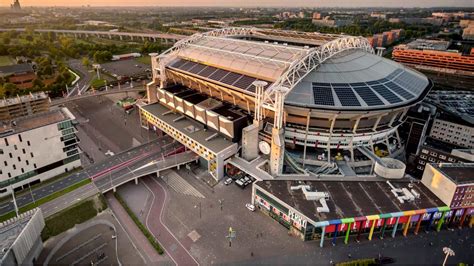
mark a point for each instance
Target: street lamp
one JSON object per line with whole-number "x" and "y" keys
{"x": 449, "y": 252}
{"x": 196, "y": 206}
{"x": 221, "y": 203}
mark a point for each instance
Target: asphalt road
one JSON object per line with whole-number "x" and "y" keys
{"x": 86, "y": 76}
{"x": 92, "y": 171}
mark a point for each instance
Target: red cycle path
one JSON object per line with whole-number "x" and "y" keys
{"x": 171, "y": 244}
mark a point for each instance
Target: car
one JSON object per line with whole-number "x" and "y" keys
{"x": 240, "y": 183}
{"x": 228, "y": 181}
{"x": 251, "y": 207}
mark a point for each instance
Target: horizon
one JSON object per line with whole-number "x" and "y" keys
{"x": 247, "y": 3}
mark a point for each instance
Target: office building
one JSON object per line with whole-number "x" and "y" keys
{"x": 11, "y": 108}
{"x": 436, "y": 56}
{"x": 20, "y": 238}
{"x": 36, "y": 147}
{"x": 454, "y": 185}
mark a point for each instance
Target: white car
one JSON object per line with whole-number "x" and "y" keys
{"x": 250, "y": 207}
{"x": 228, "y": 181}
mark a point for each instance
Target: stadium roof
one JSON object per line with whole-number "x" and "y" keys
{"x": 341, "y": 72}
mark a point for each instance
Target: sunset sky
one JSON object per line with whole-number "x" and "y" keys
{"x": 294, "y": 3}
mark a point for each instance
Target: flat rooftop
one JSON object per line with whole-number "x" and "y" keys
{"x": 33, "y": 121}
{"x": 21, "y": 99}
{"x": 459, "y": 173}
{"x": 11, "y": 229}
{"x": 425, "y": 44}
{"x": 458, "y": 103}
{"x": 183, "y": 124}
{"x": 350, "y": 199}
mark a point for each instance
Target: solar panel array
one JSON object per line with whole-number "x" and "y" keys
{"x": 230, "y": 78}
{"x": 398, "y": 86}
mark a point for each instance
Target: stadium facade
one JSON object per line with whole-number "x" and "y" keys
{"x": 321, "y": 98}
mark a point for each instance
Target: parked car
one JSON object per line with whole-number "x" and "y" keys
{"x": 239, "y": 183}
{"x": 228, "y": 181}
{"x": 250, "y": 207}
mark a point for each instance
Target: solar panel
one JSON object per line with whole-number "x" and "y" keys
{"x": 196, "y": 69}
{"x": 368, "y": 96}
{"x": 386, "y": 93}
{"x": 207, "y": 71}
{"x": 399, "y": 90}
{"x": 244, "y": 82}
{"x": 230, "y": 78}
{"x": 188, "y": 66}
{"x": 346, "y": 96}
{"x": 346, "y": 85}
{"x": 218, "y": 75}
{"x": 319, "y": 84}
{"x": 357, "y": 84}
{"x": 374, "y": 82}
{"x": 179, "y": 63}
{"x": 323, "y": 95}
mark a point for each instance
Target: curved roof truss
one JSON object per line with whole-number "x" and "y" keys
{"x": 299, "y": 69}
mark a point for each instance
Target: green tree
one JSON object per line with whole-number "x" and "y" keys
{"x": 10, "y": 89}
{"x": 6, "y": 40}
{"x": 86, "y": 62}
{"x": 2, "y": 92}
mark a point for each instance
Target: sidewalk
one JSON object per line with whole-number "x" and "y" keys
{"x": 170, "y": 243}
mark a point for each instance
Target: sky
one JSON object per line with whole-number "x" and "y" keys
{"x": 250, "y": 3}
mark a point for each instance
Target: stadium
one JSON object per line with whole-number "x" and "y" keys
{"x": 326, "y": 105}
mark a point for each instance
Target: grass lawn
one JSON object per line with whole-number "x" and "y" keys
{"x": 97, "y": 83}
{"x": 43, "y": 200}
{"x": 6, "y": 60}
{"x": 66, "y": 219}
{"x": 144, "y": 60}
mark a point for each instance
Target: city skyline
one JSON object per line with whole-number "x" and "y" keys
{"x": 249, "y": 3}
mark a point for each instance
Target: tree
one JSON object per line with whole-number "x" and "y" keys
{"x": 6, "y": 40}
{"x": 10, "y": 89}
{"x": 86, "y": 62}
{"x": 2, "y": 92}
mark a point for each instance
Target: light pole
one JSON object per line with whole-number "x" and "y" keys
{"x": 32, "y": 197}
{"x": 449, "y": 252}
{"x": 196, "y": 206}
{"x": 221, "y": 203}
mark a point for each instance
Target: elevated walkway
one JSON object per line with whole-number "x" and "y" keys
{"x": 143, "y": 168}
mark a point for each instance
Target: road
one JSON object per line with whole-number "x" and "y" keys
{"x": 86, "y": 77}
{"x": 103, "y": 167}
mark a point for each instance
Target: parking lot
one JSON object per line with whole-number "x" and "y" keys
{"x": 92, "y": 242}
{"x": 125, "y": 68}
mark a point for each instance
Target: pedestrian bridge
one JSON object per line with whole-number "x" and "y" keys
{"x": 154, "y": 165}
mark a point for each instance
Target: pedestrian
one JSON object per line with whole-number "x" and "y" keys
{"x": 251, "y": 254}
{"x": 349, "y": 255}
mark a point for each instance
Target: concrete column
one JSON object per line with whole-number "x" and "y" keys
{"x": 322, "y": 236}
{"x": 417, "y": 228}
{"x": 178, "y": 166}
{"x": 407, "y": 225}
{"x": 371, "y": 233}
{"x": 346, "y": 239}
{"x": 157, "y": 173}
{"x": 114, "y": 189}
{"x": 430, "y": 222}
{"x": 440, "y": 222}
{"x": 394, "y": 231}
{"x": 136, "y": 181}
{"x": 463, "y": 217}
{"x": 308, "y": 116}
{"x": 335, "y": 235}
{"x": 383, "y": 228}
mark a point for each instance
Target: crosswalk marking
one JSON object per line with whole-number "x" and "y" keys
{"x": 178, "y": 184}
